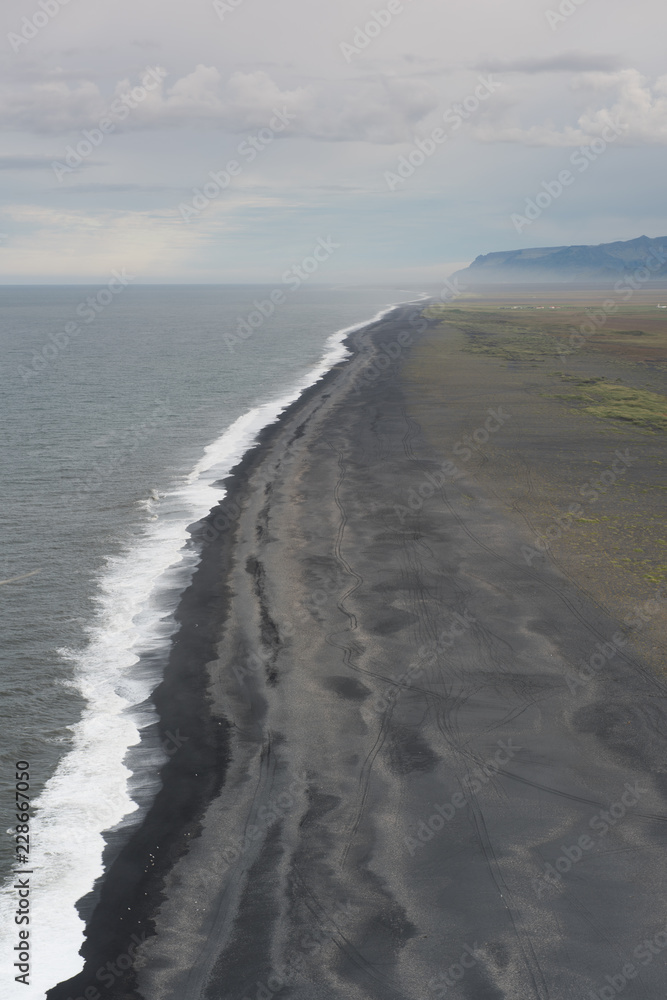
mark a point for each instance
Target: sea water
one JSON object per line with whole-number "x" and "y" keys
{"x": 113, "y": 436}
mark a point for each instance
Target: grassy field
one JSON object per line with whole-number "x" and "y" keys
{"x": 613, "y": 401}
{"x": 531, "y": 334}
{"x": 573, "y": 410}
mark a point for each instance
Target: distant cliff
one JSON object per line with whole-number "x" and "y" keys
{"x": 606, "y": 262}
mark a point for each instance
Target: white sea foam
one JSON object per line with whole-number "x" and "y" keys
{"x": 88, "y": 794}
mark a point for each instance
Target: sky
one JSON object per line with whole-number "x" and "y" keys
{"x": 199, "y": 141}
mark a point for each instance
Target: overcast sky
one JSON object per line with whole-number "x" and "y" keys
{"x": 315, "y": 104}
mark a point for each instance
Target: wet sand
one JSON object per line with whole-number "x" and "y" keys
{"x": 393, "y": 786}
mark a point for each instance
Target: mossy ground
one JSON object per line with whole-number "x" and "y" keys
{"x": 554, "y": 447}
{"x": 613, "y": 401}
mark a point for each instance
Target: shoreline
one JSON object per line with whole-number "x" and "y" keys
{"x": 195, "y": 771}
{"x": 409, "y": 774}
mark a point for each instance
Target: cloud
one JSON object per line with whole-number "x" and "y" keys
{"x": 24, "y": 162}
{"x": 50, "y": 106}
{"x": 565, "y": 62}
{"x": 642, "y": 107}
{"x": 380, "y": 109}
{"x": 77, "y": 189}
{"x": 57, "y": 241}
{"x": 632, "y": 103}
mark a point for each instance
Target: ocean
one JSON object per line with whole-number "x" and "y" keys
{"x": 120, "y": 415}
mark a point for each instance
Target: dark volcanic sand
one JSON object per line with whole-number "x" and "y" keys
{"x": 316, "y": 874}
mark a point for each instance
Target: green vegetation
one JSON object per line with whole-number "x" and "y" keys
{"x": 530, "y": 332}
{"x": 489, "y": 333}
{"x": 613, "y": 401}
{"x": 616, "y": 545}
{"x": 658, "y": 575}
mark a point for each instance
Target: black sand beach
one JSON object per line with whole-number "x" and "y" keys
{"x": 423, "y": 766}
